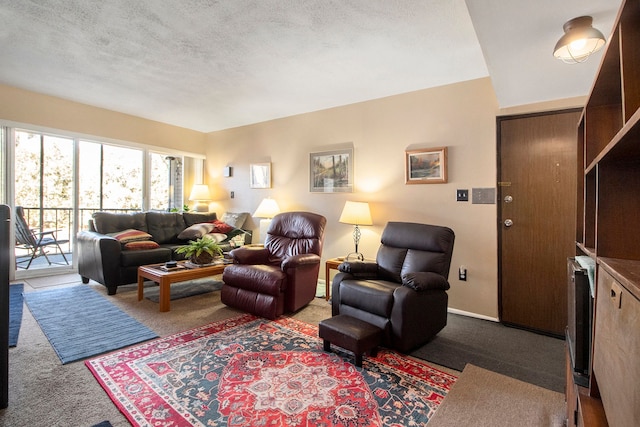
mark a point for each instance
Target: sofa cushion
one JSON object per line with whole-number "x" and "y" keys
{"x": 165, "y": 226}
{"x": 196, "y": 231}
{"x": 191, "y": 218}
{"x": 130, "y": 235}
{"x": 141, "y": 245}
{"x": 144, "y": 257}
{"x": 107, "y": 222}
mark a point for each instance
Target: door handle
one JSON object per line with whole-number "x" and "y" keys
{"x": 508, "y": 223}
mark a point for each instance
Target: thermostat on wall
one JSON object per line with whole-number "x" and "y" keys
{"x": 226, "y": 171}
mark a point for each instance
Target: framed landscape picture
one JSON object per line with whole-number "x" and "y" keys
{"x": 426, "y": 166}
{"x": 260, "y": 175}
{"x": 331, "y": 171}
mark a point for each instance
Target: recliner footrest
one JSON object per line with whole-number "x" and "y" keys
{"x": 351, "y": 334}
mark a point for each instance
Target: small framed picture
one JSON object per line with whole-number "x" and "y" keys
{"x": 260, "y": 175}
{"x": 426, "y": 166}
{"x": 331, "y": 171}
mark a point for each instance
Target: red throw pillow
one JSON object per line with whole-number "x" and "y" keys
{"x": 221, "y": 227}
{"x": 141, "y": 245}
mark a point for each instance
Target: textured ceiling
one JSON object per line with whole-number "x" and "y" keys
{"x": 210, "y": 65}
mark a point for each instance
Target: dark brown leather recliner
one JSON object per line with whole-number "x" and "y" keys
{"x": 282, "y": 276}
{"x": 404, "y": 291}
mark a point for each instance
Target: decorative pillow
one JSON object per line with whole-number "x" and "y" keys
{"x": 130, "y": 235}
{"x": 221, "y": 227}
{"x": 237, "y": 241}
{"x": 196, "y": 231}
{"x": 235, "y": 232}
{"x": 217, "y": 237}
{"x": 235, "y": 219}
{"x": 141, "y": 245}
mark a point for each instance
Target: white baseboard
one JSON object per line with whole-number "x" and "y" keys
{"x": 469, "y": 314}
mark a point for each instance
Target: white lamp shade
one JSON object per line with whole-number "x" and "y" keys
{"x": 357, "y": 213}
{"x": 200, "y": 192}
{"x": 268, "y": 208}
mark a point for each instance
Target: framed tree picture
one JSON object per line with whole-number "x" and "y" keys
{"x": 331, "y": 171}
{"x": 260, "y": 175}
{"x": 426, "y": 166}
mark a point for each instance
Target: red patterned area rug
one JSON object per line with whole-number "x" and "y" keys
{"x": 248, "y": 371}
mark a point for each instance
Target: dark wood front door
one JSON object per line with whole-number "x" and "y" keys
{"x": 537, "y": 214}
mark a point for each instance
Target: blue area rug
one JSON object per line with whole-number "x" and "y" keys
{"x": 79, "y": 322}
{"x": 15, "y": 312}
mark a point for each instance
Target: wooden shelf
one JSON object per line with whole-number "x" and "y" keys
{"x": 608, "y": 229}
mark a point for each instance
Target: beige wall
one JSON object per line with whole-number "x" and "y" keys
{"x": 32, "y": 108}
{"x": 460, "y": 116}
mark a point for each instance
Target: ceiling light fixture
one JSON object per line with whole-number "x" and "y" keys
{"x": 579, "y": 41}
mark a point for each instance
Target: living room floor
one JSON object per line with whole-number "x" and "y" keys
{"x": 43, "y": 392}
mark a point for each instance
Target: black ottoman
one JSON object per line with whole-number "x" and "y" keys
{"x": 351, "y": 334}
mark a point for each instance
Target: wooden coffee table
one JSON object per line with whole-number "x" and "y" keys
{"x": 166, "y": 278}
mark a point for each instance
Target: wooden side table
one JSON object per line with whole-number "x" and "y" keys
{"x": 332, "y": 263}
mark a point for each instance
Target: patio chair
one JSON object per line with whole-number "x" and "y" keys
{"x": 35, "y": 241}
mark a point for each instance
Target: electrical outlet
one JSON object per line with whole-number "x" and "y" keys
{"x": 462, "y": 273}
{"x": 233, "y": 194}
{"x": 462, "y": 195}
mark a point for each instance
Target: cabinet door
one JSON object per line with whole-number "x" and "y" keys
{"x": 616, "y": 349}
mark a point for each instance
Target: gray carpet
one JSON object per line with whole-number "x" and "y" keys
{"x": 183, "y": 289}
{"x": 529, "y": 357}
{"x": 482, "y": 398}
{"x": 79, "y": 322}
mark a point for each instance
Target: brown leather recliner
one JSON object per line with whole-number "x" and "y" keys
{"x": 404, "y": 291}
{"x": 282, "y": 276}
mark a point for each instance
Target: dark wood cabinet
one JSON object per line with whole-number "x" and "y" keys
{"x": 608, "y": 230}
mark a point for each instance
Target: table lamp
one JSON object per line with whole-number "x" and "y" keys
{"x": 267, "y": 209}
{"x": 356, "y": 213}
{"x": 200, "y": 194}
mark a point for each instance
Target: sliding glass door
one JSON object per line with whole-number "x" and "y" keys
{"x": 61, "y": 181}
{"x": 44, "y": 188}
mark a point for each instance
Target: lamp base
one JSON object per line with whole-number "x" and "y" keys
{"x": 264, "y": 226}
{"x": 353, "y": 256}
{"x": 201, "y": 207}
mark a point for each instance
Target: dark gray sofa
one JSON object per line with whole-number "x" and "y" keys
{"x": 103, "y": 258}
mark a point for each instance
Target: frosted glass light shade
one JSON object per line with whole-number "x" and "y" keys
{"x": 579, "y": 41}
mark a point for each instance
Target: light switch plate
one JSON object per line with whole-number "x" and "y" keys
{"x": 462, "y": 195}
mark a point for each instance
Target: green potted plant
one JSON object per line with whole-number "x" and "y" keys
{"x": 201, "y": 251}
